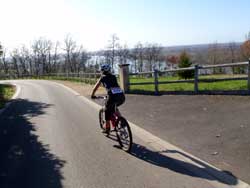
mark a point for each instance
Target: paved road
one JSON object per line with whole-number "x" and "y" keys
{"x": 49, "y": 137}
{"x": 214, "y": 128}
{"x": 201, "y": 125}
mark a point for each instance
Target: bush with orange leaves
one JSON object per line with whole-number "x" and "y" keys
{"x": 245, "y": 49}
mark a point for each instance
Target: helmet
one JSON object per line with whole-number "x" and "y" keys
{"x": 105, "y": 68}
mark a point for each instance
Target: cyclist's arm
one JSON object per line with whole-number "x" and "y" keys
{"x": 97, "y": 85}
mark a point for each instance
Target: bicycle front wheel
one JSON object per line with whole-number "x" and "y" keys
{"x": 124, "y": 134}
{"x": 102, "y": 119}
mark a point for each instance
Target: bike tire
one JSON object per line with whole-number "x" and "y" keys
{"x": 123, "y": 130}
{"x": 101, "y": 118}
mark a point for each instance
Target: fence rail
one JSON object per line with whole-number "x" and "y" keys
{"x": 196, "y": 79}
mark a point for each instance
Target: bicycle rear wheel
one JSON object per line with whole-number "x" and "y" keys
{"x": 124, "y": 134}
{"x": 102, "y": 119}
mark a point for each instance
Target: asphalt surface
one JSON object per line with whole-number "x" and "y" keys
{"x": 214, "y": 128}
{"x": 49, "y": 137}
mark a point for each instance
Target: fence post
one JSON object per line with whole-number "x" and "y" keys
{"x": 196, "y": 79}
{"x": 156, "y": 81}
{"x": 248, "y": 76}
{"x": 124, "y": 77}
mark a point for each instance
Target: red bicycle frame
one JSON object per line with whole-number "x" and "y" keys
{"x": 115, "y": 117}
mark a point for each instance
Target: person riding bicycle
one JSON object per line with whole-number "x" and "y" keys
{"x": 115, "y": 94}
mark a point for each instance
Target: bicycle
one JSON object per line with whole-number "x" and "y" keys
{"x": 118, "y": 124}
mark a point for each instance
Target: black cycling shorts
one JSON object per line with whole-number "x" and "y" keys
{"x": 117, "y": 99}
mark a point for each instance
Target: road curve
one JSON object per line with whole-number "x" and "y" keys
{"x": 50, "y": 138}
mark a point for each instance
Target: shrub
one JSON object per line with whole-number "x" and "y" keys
{"x": 184, "y": 62}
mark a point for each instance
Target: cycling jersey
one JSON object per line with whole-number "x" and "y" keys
{"x": 109, "y": 81}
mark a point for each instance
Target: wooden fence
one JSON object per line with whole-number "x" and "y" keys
{"x": 196, "y": 79}
{"x": 124, "y": 76}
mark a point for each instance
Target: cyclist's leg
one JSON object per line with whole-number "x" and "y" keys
{"x": 118, "y": 100}
{"x": 109, "y": 110}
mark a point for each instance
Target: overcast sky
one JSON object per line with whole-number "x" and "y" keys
{"x": 91, "y": 22}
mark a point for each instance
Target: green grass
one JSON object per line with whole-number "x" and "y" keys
{"x": 214, "y": 86}
{"x": 6, "y": 92}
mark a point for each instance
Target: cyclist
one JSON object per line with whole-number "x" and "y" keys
{"x": 115, "y": 94}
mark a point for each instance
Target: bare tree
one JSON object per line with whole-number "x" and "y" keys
{"x": 4, "y": 61}
{"x": 42, "y": 55}
{"x": 232, "y": 48}
{"x": 1, "y": 53}
{"x": 123, "y": 54}
{"x": 55, "y": 58}
{"x": 26, "y": 54}
{"x": 24, "y": 59}
{"x": 112, "y": 47}
{"x": 36, "y": 57}
{"x": 137, "y": 55}
{"x": 152, "y": 54}
{"x": 107, "y": 56}
{"x": 69, "y": 48}
{"x": 79, "y": 59}
{"x": 141, "y": 55}
{"x": 160, "y": 60}
{"x": 200, "y": 57}
{"x": 1, "y": 50}
{"x": 49, "y": 54}
{"x": 15, "y": 57}
{"x": 213, "y": 53}
{"x": 84, "y": 56}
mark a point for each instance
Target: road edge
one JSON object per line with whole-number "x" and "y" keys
{"x": 16, "y": 94}
{"x": 160, "y": 145}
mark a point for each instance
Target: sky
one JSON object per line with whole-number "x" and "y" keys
{"x": 92, "y": 22}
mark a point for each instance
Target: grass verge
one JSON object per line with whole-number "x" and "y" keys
{"x": 232, "y": 85}
{"x": 6, "y": 92}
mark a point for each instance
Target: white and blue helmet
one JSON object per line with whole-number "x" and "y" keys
{"x": 105, "y": 68}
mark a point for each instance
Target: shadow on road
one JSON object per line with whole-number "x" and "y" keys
{"x": 182, "y": 167}
{"x": 24, "y": 160}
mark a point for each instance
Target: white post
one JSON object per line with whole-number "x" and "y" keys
{"x": 124, "y": 77}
